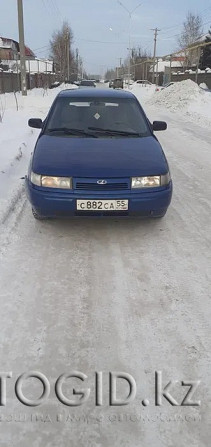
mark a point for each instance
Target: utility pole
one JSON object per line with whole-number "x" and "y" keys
{"x": 154, "y": 55}
{"x": 119, "y": 67}
{"x": 17, "y": 69}
{"x": 68, "y": 56}
{"x": 77, "y": 54}
{"x": 130, "y": 17}
{"x": 22, "y": 48}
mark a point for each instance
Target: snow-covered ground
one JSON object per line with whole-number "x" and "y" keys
{"x": 17, "y": 139}
{"x": 131, "y": 296}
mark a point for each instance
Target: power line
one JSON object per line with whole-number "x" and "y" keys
{"x": 56, "y": 7}
{"x": 181, "y": 23}
{"x": 40, "y": 48}
{"x": 178, "y": 34}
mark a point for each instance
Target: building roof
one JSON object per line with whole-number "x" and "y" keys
{"x": 5, "y": 43}
{"x": 29, "y": 52}
{"x": 160, "y": 66}
{"x": 202, "y": 38}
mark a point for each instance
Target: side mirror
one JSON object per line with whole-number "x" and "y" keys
{"x": 36, "y": 123}
{"x": 159, "y": 125}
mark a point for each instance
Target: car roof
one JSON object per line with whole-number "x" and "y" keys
{"x": 95, "y": 93}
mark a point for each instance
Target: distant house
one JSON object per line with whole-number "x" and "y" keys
{"x": 202, "y": 38}
{"x": 192, "y": 53}
{"x": 162, "y": 68}
{"x": 9, "y": 50}
{"x": 10, "y": 58}
{"x": 196, "y": 53}
{"x": 161, "y": 65}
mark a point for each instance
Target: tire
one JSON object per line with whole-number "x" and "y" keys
{"x": 37, "y": 216}
{"x": 160, "y": 216}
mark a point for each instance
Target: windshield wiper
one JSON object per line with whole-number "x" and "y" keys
{"x": 116, "y": 132}
{"x": 71, "y": 131}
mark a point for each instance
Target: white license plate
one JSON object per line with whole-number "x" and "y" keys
{"x": 102, "y": 205}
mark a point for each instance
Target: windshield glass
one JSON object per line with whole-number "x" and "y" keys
{"x": 110, "y": 114}
{"x": 87, "y": 83}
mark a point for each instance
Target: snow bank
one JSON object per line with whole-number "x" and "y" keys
{"x": 204, "y": 86}
{"x": 17, "y": 140}
{"x": 187, "y": 98}
{"x": 176, "y": 96}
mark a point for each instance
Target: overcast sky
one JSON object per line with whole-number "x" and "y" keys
{"x": 101, "y": 27}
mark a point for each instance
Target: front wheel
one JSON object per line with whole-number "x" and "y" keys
{"x": 37, "y": 216}
{"x": 159, "y": 216}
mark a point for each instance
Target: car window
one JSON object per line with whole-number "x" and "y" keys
{"x": 108, "y": 113}
{"x": 87, "y": 83}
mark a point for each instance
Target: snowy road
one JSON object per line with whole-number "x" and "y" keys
{"x": 130, "y": 296}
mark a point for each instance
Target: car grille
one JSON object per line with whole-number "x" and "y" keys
{"x": 107, "y": 187}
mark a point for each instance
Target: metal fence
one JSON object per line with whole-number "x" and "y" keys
{"x": 201, "y": 78}
{"x": 11, "y": 82}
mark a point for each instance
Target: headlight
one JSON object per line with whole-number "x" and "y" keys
{"x": 56, "y": 182}
{"x": 51, "y": 182}
{"x": 146, "y": 182}
{"x": 150, "y": 181}
{"x": 36, "y": 179}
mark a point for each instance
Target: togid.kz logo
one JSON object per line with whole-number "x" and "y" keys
{"x": 81, "y": 394}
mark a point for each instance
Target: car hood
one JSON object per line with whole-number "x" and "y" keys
{"x": 100, "y": 157}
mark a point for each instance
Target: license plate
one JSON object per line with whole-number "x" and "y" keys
{"x": 102, "y": 205}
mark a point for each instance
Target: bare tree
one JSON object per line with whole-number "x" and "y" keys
{"x": 61, "y": 50}
{"x": 138, "y": 57}
{"x": 192, "y": 30}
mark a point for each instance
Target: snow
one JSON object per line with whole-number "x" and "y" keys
{"x": 130, "y": 296}
{"x": 143, "y": 92}
{"x": 187, "y": 98}
{"x": 17, "y": 139}
{"x": 204, "y": 86}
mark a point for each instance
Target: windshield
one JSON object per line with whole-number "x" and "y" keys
{"x": 87, "y": 83}
{"x": 111, "y": 116}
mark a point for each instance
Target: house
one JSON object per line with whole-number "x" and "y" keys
{"x": 162, "y": 68}
{"x": 10, "y": 58}
{"x": 9, "y": 50}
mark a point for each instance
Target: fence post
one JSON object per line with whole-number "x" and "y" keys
{"x": 170, "y": 67}
{"x": 197, "y": 67}
{"x": 157, "y": 75}
{"x": 29, "y": 79}
{"x": 12, "y": 84}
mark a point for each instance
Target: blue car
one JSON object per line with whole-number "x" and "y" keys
{"x": 97, "y": 155}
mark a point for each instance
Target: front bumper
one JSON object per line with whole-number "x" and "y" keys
{"x": 63, "y": 204}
